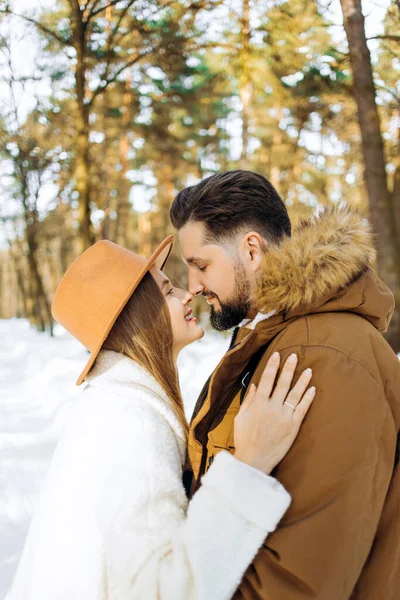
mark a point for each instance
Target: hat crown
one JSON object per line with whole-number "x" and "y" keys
{"x": 91, "y": 290}
{"x": 96, "y": 287}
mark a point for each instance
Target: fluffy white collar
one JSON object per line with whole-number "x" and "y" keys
{"x": 118, "y": 374}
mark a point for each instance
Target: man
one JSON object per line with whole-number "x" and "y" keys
{"x": 312, "y": 293}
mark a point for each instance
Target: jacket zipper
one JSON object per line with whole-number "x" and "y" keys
{"x": 188, "y": 475}
{"x": 233, "y": 338}
{"x": 204, "y": 391}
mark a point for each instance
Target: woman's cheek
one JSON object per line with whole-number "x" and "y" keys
{"x": 176, "y": 319}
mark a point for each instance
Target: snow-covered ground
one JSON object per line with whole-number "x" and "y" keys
{"x": 37, "y": 386}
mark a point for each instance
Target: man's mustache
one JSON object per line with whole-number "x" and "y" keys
{"x": 208, "y": 294}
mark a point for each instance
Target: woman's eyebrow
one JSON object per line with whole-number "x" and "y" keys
{"x": 194, "y": 259}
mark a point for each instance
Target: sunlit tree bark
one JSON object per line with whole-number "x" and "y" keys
{"x": 381, "y": 199}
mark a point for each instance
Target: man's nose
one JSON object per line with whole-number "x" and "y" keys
{"x": 195, "y": 287}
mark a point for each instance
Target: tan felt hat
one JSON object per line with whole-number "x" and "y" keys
{"x": 95, "y": 289}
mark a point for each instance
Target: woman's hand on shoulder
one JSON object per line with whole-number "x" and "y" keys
{"x": 271, "y": 415}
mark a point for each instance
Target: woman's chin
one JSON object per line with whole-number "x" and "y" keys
{"x": 195, "y": 334}
{"x": 201, "y": 332}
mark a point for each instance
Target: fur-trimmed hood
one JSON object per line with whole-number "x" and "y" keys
{"x": 318, "y": 264}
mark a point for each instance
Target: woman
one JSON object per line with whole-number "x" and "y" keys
{"x": 113, "y": 521}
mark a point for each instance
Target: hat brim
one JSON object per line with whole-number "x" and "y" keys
{"x": 159, "y": 259}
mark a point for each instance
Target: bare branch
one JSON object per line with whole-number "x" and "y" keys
{"x": 386, "y": 36}
{"x": 211, "y": 45}
{"x": 110, "y": 40}
{"x": 117, "y": 25}
{"x": 108, "y": 82}
{"x": 97, "y": 11}
{"x": 39, "y": 26}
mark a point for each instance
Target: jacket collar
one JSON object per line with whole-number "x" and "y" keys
{"x": 118, "y": 374}
{"x": 324, "y": 267}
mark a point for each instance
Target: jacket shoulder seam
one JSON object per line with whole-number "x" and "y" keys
{"x": 307, "y": 330}
{"x": 325, "y": 347}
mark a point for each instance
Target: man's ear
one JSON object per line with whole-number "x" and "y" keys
{"x": 252, "y": 248}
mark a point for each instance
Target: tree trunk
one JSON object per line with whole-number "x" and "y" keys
{"x": 7, "y": 287}
{"x": 277, "y": 143}
{"x": 175, "y": 269}
{"x": 380, "y": 201}
{"x": 245, "y": 83}
{"x": 64, "y": 247}
{"x": 85, "y": 234}
{"x": 105, "y": 175}
{"x": 42, "y": 302}
{"x": 39, "y": 302}
{"x": 124, "y": 207}
{"x": 20, "y": 281}
{"x": 165, "y": 196}
{"x": 396, "y": 186}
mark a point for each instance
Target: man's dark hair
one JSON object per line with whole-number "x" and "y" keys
{"x": 227, "y": 202}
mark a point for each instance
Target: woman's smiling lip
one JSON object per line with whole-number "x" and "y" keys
{"x": 189, "y": 314}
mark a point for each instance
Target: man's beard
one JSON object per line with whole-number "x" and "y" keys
{"x": 234, "y": 309}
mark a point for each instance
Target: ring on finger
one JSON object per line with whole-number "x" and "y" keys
{"x": 291, "y": 405}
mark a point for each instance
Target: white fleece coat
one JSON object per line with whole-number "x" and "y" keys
{"x": 113, "y": 521}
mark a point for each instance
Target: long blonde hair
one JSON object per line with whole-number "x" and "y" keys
{"x": 143, "y": 332}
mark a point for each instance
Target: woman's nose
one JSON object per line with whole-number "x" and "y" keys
{"x": 185, "y": 296}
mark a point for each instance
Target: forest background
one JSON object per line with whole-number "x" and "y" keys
{"x": 109, "y": 107}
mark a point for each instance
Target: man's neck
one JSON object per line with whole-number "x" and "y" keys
{"x": 251, "y": 313}
{"x": 251, "y": 323}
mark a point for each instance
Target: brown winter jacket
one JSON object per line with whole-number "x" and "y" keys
{"x": 340, "y": 538}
